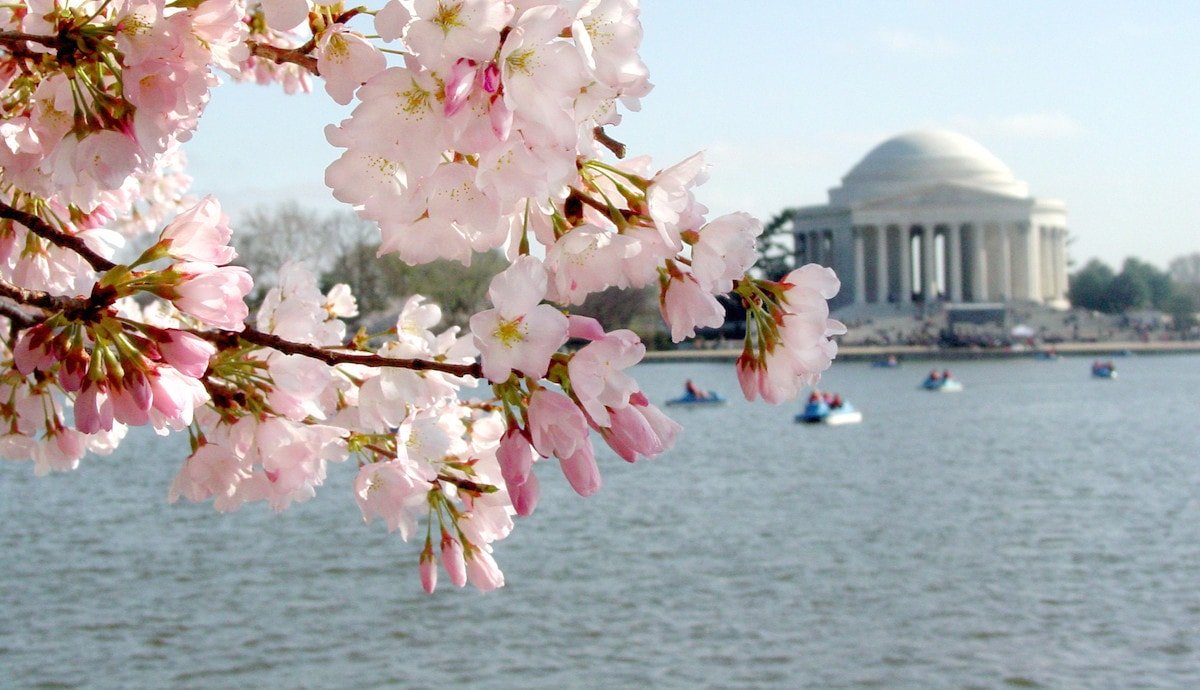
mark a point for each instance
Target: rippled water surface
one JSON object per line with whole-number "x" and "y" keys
{"x": 1039, "y": 529}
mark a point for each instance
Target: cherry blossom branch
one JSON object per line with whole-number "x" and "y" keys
{"x": 52, "y": 234}
{"x": 333, "y": 357}
{"x": 297, "y": 56}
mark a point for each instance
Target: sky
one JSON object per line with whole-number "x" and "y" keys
{"x": 1095, "y": 103}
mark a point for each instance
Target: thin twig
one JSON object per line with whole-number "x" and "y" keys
{"x": 18, "y": 319}
{"x": 333, "y": 357}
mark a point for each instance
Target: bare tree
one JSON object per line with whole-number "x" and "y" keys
{"x": 1185, "y": 269}
{"x": 267, "y": 238}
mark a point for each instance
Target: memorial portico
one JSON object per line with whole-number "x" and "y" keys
{"x": 934, "y": 216}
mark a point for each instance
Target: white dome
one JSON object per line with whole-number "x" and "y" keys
{"x": 922, "y": 159}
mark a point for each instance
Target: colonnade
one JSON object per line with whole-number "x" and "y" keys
{"x": 955, "y": 261}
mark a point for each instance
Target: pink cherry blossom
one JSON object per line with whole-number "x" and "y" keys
{"x": 557, "y": 426}
{"x": 686, "y": 306}
{"x": 597, "y": 373}
{"x": 519, "y": 333}
{"x": 724, "y": 251}
{"x": 346, "y": 60}
{"x": 394, "y": 491}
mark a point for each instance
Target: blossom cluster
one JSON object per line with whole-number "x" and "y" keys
{"x": 477, "y": 126}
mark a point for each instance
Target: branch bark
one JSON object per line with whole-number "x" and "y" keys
{"x": 297, "y": 56}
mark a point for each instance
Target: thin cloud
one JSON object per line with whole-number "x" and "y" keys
{"x": 912, "y": 43}
{"x": 1038, "y": 125}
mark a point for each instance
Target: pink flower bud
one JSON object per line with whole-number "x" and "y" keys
{"x": 581, "y": 471}
{"x": 428, "y": 570}
{"x": 35, "y": 349}
{"x": 452, "y": 560}
{"x": 200, "y": 233}
{"x": 491, "y": 78}
{"x": 459, "y": 85}
{"x": 515, "y": 456}
{"x": 215, "y": 295}
{"x": 483, "y": 571}
{"x": 93, "y": 410}
{"x": 556, "y": 424}
{"x": 131, "y": 398}
{"x": 187, "y": 353}
{"x": 525, "y": 496}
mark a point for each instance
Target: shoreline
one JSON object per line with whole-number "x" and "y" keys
{"x": 858, "y": 353}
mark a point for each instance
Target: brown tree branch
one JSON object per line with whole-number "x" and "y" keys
{"x": 18, "y": 319}
{"x": 16, "y": 38}
{"x": 37, "y": 298}
{"x": 55, "y": 236}
{"x": 609, "y": 143}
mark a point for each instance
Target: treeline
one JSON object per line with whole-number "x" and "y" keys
{"x": 1140, "y": 285}
{"x": 340, "y": 248}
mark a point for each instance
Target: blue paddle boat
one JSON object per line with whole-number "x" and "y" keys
{"x": 693, "y": 396}
{"x": 820, "y": 412}
{"x": 941, "y": 382}
{"x": 1104, "y": 370}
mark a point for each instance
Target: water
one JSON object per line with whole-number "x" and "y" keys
{"x": 1039, "y": 529}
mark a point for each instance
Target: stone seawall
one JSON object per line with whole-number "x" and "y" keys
{"x": 922, "y": 352}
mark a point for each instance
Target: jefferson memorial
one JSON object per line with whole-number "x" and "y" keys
{"x": 933, "y": 216}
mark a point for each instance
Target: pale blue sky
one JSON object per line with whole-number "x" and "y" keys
{"x": 1094, "y": 103}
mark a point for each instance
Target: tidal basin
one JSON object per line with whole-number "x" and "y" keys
{"x": 1039, "y": 529}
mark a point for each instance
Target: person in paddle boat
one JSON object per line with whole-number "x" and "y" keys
{"x": 945, "y": 374}
{"x": 935, "y": 375}
{"x": 694, "y": 393}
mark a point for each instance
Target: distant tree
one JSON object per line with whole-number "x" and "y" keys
{"x": 1182, "y": 307}
{"x": 1089, "y": 286}
{"x": 1126, "y": 291}
{"x": 1185, "y": 269}
{"x": 1156, "y": 283}
{"x": 379, "y": 282}
{"x": 636, "y": 310}
{"x": 776, "y": 255}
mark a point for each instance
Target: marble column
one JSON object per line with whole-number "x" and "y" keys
{"x": 881, "y": 264}
{"x": 1006, "y": 281}
{"x": 954, "y": 252}
{"x": 1033, "y": 261}
{"x": 979, "y": 267}
{"x": 1061, "y": 262}
{"x": 905, "y": 296}
{"x": 860, "y": 266}
{"x": 928, "y": 265}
